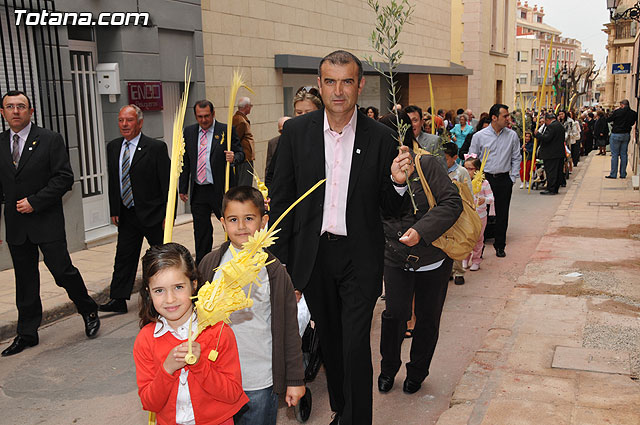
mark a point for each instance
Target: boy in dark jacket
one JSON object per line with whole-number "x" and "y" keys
{"x": 267, "y": 333}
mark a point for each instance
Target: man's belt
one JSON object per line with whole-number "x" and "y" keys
{"x": 496, "y": 174}
{"x": 332, "y": 237}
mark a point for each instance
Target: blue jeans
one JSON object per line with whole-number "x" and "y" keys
{"x": 262, "y": 408}
{"x": 619, "y": 144}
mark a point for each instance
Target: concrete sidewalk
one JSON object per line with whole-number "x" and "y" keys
{"x": 566, "y": 347}
{"x": 95, "y": 265}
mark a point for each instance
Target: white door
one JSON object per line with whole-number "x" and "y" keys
{"x": 90, "y": 130}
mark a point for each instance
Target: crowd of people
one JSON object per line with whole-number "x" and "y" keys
{"x": 375, "y": 220}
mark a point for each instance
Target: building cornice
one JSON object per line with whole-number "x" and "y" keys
{"x": 309, "y": 64}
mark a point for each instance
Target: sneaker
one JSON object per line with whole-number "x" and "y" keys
{"x": 521, "y": 185}
{"x": 527, "y": 185}
{"x": 465, "y": 264}
{"x": 474, "y": 267}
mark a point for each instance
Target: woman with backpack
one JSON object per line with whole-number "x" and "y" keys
{"x": 414, "y": 268}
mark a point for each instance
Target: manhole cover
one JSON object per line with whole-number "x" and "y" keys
{"x": 592, "y": 360}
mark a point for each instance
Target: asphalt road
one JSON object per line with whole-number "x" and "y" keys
{"x": 68, "y": 379}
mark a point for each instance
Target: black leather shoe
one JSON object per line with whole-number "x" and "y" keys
{"x": 459, "y": 280}
{"x": 410, "y": 386}
{"x": 336, "y": 419}
{"x": 303, "y": 408}
{"x": 547, "y": 192}
{"x": 500, "y": 253}
{"x": 18, "y": 344}
{"x": 114, "y": 306}
{"x": 91, "y": 324}
{"x": 385, "y": 383}
{"x": 609, "y": 177}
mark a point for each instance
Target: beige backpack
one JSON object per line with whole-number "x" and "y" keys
{"x": 459, "y": 240}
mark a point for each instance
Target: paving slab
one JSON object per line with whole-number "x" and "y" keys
{"x": 591, "y": 360}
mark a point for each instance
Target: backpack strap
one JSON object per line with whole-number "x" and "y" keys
{"x": 425, "y": 186}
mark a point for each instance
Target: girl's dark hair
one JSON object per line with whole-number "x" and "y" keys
{"x": 376, "y": 113}
{"x": 482, "y": 122}
{"x": 475, "y": 162}
{"x": 390, "y": 121}
{"x": 156, "y": 259}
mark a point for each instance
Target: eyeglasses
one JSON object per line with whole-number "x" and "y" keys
{"x": 19, "y": 107}
{"x": 308, "y": 89}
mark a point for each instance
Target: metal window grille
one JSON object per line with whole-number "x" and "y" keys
{"x": 30, "y": 61}
{"x": 89, "y": 123}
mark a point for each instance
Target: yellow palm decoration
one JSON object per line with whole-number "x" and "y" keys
{"x": 218, "y": 299}
{"x": 177, "y": 154}
{"x": 236, "y": 83}
{"x": 478, "y": 178}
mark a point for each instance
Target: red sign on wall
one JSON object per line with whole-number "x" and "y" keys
{"x": 146, "y": 95}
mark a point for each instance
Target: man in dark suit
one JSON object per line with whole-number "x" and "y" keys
{"x": 204, "y": 167}
{"x": 332, "y": 242}
{"x": 34, "y": 174}
{"x": 552, "y": 152}
{"x": 138, "y": 168}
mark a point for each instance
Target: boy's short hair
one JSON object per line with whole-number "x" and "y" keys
{"x": 450, "y": 149}
{"x": 244, "y": 194}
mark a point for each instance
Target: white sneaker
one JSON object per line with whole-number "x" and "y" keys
{"x": 521, "y": 185}
{"x": 465, "y": 264}
{"x": 527, "y": 185}
{"x": 474, "y": 267}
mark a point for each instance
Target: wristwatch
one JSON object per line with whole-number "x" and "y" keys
{"x": 396, "y": 184}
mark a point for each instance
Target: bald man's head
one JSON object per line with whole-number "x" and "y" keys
{"x": 281, "y": 122}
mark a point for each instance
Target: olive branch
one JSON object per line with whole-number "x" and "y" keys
{"x": 390, "y": 20}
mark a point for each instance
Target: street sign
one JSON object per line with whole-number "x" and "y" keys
{"x": 621, "y": 68}
{"x": 147, "y": 95}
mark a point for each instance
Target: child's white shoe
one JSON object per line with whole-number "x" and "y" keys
{"x": 527, "y": 185}
{"x": 474, "y": 267}
{"x": 465, "y": 264}
{"x": 521, "y": 185}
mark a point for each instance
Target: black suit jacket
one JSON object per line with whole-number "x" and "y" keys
{"x": 217, "y": 158}
{"x": 300, "y": 164}
{"x": 149, "y": 174}
{"x": 552, "y": 141}
{"x": 43, "y": 176}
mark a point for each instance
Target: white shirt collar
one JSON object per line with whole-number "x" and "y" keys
{"x": 24, "y": 133}
{"x": 162, "y": 327}
{"x": 352, "y": 122}
{"x": 133, "y": 141}
{"x": 210, "y": 129}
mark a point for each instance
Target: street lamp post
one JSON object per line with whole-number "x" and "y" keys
{"x": 632, "y": 13}
{"x": 564, "y": 77}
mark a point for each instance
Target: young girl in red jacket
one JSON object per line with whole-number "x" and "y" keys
{"x": 208, "y": 392}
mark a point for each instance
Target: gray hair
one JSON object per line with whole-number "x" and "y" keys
{"x": 244, "y": 102}
{"x": 136, "y": 109}
{"x": 624, "y": 102}
{"x": 342, "y": 57}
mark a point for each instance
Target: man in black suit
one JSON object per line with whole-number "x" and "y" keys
{"x": 552, "y": 152}
{"x": 138, "y": 168}
{"x": 34, "y": 174}
{"x": 204, "y": 167}
{"x": 332, "y": 242}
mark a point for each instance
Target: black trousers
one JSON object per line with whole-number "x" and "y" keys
{"x": 343, "y": 320}
{"x": 130, "y": 235}
{"x": 25, "y": 265}
{"x": 202, "y": 206}
{"x": 501, "y": 185}
{"x": 575, "y": 153}
{"x": 553, "y": 168}
{"x": 430, "y": 290}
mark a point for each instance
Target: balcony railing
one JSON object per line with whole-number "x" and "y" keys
{"x": 626, "y": 29}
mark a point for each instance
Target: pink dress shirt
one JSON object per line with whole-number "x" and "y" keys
{"x": 338, "y": 151}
